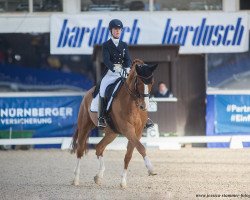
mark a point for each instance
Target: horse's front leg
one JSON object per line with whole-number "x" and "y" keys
{"x": 128, "y": 156}
{"x": 141, "y": 149}
{"x": 149, "y": 166}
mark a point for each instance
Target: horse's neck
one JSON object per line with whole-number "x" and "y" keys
{"x": 131, "y": 81}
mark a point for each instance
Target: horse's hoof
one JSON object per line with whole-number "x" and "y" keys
{"x": 123, "y": 185}
{"x": 151, "y": 173}
{"x": 75, "y": 183}
{"x": 97, "y": 180}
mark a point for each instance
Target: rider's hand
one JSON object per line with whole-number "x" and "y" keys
{"x": 127, "y": 70}
{"x": 118, "y": 70}
{"x": 124, "y": 73}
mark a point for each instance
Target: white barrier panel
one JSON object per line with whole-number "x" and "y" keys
{"x": 120, "y": 143}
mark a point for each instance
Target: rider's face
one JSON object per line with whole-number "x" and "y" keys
{"x": 116, "y": 32}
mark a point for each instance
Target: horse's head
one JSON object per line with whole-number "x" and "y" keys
{"x": 145, "y": 72}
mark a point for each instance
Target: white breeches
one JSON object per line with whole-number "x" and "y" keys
{"x": 108, "y": 79}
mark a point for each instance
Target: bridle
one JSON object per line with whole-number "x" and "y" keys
{"x": 135, "y": 93}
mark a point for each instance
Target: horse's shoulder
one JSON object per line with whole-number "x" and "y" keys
{"x": 122, "y": 92}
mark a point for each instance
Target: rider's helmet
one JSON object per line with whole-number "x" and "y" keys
{"x": 115, "y": 23}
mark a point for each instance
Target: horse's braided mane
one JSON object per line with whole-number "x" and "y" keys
{"x": 136, "y": 61}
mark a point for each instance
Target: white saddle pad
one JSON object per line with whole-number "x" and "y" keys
{"x": 95, "y": 101}
{"x": 94, "y": 104}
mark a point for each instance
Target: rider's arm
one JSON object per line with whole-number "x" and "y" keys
{"x": 106, "y": 58}
{"x": 127, "y": 60}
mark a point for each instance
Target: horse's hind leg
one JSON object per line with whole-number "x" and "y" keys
{"x": 81, "y": 147}
{"x": 77, "y": 173}
{"x": 108, "y": 138}
{"x": 128, "y": 156}
{"x": 84, "y": 128}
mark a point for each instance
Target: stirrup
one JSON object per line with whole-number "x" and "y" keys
{"x": 101, "y": 122}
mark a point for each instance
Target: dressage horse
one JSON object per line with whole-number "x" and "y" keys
{"x": 129, "y": 116}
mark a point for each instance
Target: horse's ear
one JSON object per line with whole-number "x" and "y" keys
{"x": 153, "y": 67}
{"x": 138, "y": 69}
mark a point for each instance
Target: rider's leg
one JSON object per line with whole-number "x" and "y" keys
{"x": 101, "y": 112}
{"x": 108, "y": 79}
{"x": 149, "y": 123}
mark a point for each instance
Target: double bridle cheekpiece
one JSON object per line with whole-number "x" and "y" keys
{"x": 135, "y": 93}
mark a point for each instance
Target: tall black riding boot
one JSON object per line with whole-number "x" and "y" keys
{"x": 149, "y": 124}
{"x": 101, "y": 113}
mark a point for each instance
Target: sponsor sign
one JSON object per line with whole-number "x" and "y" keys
{"x": 232, "y": 114}
{"x": 47, "y": 116}
{"x": 195, "y": 33}
{"x": 227, "y": 115}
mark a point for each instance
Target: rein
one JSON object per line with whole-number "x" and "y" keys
{"x": 136, "y": 94}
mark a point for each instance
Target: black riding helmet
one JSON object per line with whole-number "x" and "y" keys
{"x": 115, "y": 23}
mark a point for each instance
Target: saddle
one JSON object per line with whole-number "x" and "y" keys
{"x": 110, "y": 93}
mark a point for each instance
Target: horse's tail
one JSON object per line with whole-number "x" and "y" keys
{"x": 85, "y": 143}
{"x": 84, "y": 126}
{"x": 74, "y": 141}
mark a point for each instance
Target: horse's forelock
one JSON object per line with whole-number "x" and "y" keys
{"x": 137, "y": 61}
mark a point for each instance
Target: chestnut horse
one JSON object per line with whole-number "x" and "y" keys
{"x": 129, "y": 116}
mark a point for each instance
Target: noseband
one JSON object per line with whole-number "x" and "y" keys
{"x": 146, "y": 80}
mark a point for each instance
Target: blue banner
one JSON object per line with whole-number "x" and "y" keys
{"x": 232, "y": 114}
{"x": 227, "y": 115}
{"x": 44, "y": 116}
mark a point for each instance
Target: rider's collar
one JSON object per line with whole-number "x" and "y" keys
{"x": 115, "y": 41}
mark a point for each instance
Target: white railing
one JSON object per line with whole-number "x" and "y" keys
{"x": 120, "y": 143}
